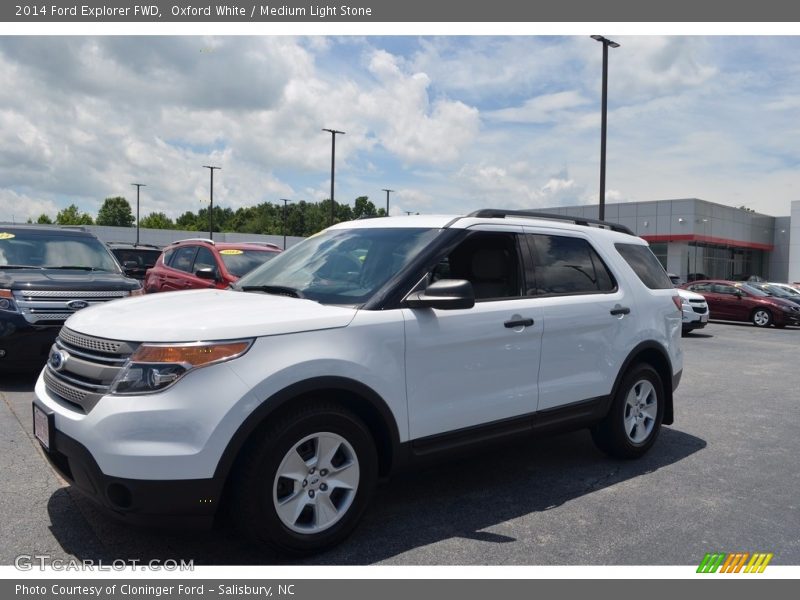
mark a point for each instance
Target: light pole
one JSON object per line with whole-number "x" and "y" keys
{"x": 211, "y": 203}
{"x": 387, "y": 200}
{"x": 333, "y": 133}
{"x": 606, "y": 43}
{"x": 138, "y": 185}
{"x": 285, "y": 202}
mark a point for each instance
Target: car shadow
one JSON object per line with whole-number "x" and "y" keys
{"x": 18, "y": 381}
{"x": 457, "y": 499}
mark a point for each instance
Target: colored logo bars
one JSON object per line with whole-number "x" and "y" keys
{"x": 735, "y": 562}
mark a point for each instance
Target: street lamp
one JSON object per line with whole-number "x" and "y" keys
{"x": 138, "y": 185}
{"x": 285, "y": 202}
{"x": 606, "y": 43}
{"x": 211, "y": 203}
{"x": 333, "y": 133}
{"x": 387, "y": 200}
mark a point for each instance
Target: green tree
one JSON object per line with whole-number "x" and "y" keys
{"x": 364, "y": 208}
{"x": 115, "y": 212}
{"x": 187, "y": 221}
{"x": 44, "y": 220}
{"x": 72, "y": 216}
{"x": 156, "y": 220}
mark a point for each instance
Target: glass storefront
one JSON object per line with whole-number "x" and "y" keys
{"x": 708, "y": 261}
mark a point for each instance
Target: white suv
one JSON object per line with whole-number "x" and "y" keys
{"x": 371, "y": 346}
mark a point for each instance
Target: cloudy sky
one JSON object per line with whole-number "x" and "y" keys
{"x": 451, "y": 123}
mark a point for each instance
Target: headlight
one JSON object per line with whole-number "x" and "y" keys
{"x": 155, "y": 367}
{"x": 685, "y": 302}
{"x": 137, "y": 292}
{"x": 7, "y": 301}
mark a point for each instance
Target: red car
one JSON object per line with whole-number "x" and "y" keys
{"x": 740, "y": 301}
{"x": 200, "y": 263}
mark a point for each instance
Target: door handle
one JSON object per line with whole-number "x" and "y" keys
{"x": 518, "y": 323}
{"x": 620, "y": 310}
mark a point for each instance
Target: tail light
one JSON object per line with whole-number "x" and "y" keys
{"x": 677, "y": 301}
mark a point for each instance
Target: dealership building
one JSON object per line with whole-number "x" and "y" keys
{"x": 693, "y": 237}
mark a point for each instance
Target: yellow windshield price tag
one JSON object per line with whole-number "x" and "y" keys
{"x": 228, "y": 252}
{"x": 6, "y": 236}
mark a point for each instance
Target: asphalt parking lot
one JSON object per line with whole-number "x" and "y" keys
{"x": 724, "y": 478}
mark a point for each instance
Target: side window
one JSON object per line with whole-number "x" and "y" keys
{"x": 183, "y": 258}
{"x": 204, "y": 259}
{"x": 700, "y": 287}
{"x": 567, "y": 265}
{"x": 646, "y": 266}
{"x": 168, "y": 256}
{"x": 488, "y": 260}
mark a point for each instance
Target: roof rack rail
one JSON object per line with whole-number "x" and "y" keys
{"x": 500, "y": 213}
{"x": 206, "y": 240}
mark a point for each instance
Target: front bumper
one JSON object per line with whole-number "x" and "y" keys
{"x": 179, "y": 502}
{"x": 22, "y": 345}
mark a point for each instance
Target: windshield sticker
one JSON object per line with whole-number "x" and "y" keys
{"x": 231, "y": 251}
{"x": 6, "y": 236}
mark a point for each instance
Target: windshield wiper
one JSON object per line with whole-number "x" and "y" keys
{"x": 278, "y": 290}
{"x": 19, "y": 267}
{"x": 77, "y": 268}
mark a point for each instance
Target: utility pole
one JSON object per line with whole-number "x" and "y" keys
{"x": 211, "y": 203}
{"x": 138, "y": 185}
{"x": 285, "y": 202}
{"x": 333, "y": 133}
{"x": 387, "y": 200}
{"x": 606, "y": 43}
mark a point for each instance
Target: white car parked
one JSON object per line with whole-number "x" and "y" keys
{"x": 371, "y": 346}
{"x": 694, "y": 309}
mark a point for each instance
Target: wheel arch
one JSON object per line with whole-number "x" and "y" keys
{"x": 360, "y": 399}
{"x": 656, "y": 356}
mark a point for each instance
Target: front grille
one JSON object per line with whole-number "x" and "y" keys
{"x": 700, "y": 310}
{"x": 53, "y": 305}
{"x": 88, "y": 366}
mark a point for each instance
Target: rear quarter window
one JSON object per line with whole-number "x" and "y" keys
{"x": 646, "y": 266}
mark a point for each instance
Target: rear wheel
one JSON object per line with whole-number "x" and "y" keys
{"x": 304, "y": 484}
{"x": 762, "y": 317}
{"x": 634, "y": 420}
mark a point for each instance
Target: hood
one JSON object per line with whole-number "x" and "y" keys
{"x": 780, "y": 301}
{"x": 196, "y": 315}
{"x": 689, "y": 295}
{"x": 64, "y": 279}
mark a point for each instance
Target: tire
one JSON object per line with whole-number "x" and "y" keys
{"x": 761, "y": 317}
{"x": 632, "y": 424}
{"x": 305, "y": 480}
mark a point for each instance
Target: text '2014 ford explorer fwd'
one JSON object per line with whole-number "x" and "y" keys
{"x": 372, "y": 345}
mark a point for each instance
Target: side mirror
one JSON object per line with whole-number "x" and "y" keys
{"x": 445, "y": 294}
{"x": 739, "y": 294}
{"x": 209, "y": 273}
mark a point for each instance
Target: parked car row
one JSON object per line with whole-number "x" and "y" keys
{"x": 759, "y": 303}
{"x": 47, "y": 273}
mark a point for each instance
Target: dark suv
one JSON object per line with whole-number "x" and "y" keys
{"x": 135, "y": 259}
{"x": 738, "y": 301}
{"x": 46, "y": 274}
{"x": 201, "y": 263}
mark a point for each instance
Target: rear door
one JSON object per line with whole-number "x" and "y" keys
{"x": 176, "y": 275}
{"x": 588, "y": 327}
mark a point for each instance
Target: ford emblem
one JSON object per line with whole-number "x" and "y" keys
{"x": 57, "y": 360}
{"x": 77, "y": 304}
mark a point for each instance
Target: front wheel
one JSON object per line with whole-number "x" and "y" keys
{"x": 306, "y": 481}
{"x": 762, "y": 317}
{"x": 634, "y": 420}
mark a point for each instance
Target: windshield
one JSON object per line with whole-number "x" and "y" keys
{"x": 341, "y": 266}
{"x": 753, "y": 290}
{"x": 241, "y": 262}
{"x": 54, "y": 250}
{"x": 775, "y": 291}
